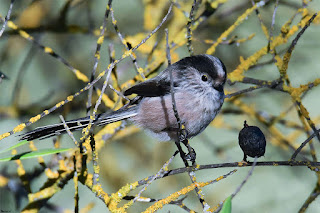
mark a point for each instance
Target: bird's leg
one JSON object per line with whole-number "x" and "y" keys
{"x": 191, "y": 156}
{"x": 182, "y": 154}
{"x": 182, "y": 137}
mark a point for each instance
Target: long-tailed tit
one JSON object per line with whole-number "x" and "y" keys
{"x": 198, "y": 90}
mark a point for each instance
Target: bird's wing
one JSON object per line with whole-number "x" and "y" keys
{"x": 151, "y": 88}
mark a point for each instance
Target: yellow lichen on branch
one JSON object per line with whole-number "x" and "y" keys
{"x": 226, "y": 33}
{"x": 174, "y": 196}
{"x": 237, "y": 74}
{"x": 116, "y": 197}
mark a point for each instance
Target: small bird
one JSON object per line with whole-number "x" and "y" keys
{"x": 198, "y": 83}
{"x": 252, "y": 141}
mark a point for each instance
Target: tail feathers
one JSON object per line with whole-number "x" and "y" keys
{"x": 78, "y": 124}
{"x": 52, "y": 130}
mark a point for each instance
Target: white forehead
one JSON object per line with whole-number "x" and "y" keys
{"x": 217, "y": 64}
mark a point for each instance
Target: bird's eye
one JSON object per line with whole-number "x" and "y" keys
{"x": 204, "y": 78}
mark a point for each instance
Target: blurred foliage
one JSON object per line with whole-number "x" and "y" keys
{"x": 50, "y": 50}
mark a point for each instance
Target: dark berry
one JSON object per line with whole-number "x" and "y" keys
{"x": 252, "y": 141}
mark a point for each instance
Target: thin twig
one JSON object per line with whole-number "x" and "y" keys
{"x": 258, "y": 14}
{"x": 7, "y": 18}
{"x": 295, "y": 40}
{"x": 159, "y": 174}
{"x": 111, "y": 67}
{"x": 118, "y": 92}
{"x": 149, "y": 57}
{"x": 311, "y": 164}
{"x": 68, "y": 130}
{"x": 272, "y": 24}
{"x": 313, "y": 195}
{"x": 76, "y": 186}
{"x": 96, "y": 169}
{"x": 189, "y": 24}
{"x": 222, "y": 15}
{"x": 134, "y": 60}
{"x": 21, "y": 71}
{"x": 62, "y": 19}
{"x": 89, "y": 85}
{"x": 293, "y": 157}
{"x": 242, "y": 183}
{"x": 180, "y": 133}
{"x": 155, "y": 29}
{"x": 246, "y": 179}
{"x": 97, "y": 54}
{"x": 168, "y": 54}
{"x": 98, "y": 102}
{"x": 174, "y": 104}
{"x": 250, "y": 89}
{"x": 286, "y": 60}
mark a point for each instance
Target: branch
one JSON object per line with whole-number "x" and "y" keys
{"x": 310, "y": 164}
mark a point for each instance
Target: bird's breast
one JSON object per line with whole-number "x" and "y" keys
{"x": 196, "y": 112}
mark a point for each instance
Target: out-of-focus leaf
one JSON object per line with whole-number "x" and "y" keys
{"x": 15, "y": 146}
{"x": 226, "y": 208}
{"x": 35, "y": 154}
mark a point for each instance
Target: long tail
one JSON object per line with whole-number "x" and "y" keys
{"x": 78, "y": 124}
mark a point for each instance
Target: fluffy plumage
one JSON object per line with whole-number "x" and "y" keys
{"x": 198, "y": 87}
